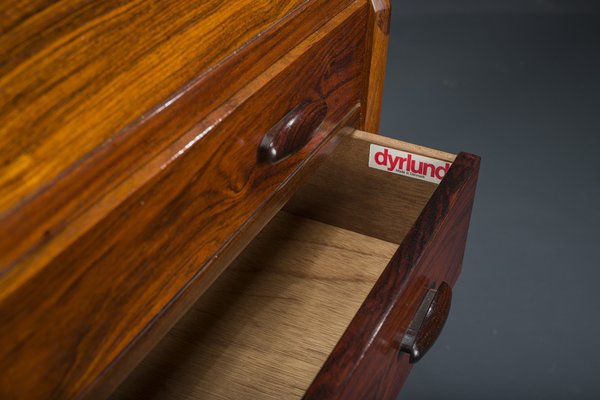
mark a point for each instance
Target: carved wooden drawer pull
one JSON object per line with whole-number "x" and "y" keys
{"x": 292, "y": 132}
{"x": 428, "y": 323}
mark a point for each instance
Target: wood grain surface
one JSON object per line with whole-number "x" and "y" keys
{"x": 98, "y": 97}
{"x": 76, "y": 72}
{"x": 367, "y": 363}
{"x": 89, "y": 310}
{"x": 380, "y": 13}
{"x": 266, "y": 326}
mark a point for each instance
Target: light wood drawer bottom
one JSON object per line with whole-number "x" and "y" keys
{"x": 266, "y": 327}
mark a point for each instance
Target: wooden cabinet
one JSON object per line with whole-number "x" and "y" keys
{"x": 147, "y": 145}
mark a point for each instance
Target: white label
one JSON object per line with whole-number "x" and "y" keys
{"x": 403, "y": 163}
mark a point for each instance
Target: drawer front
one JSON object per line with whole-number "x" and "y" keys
{"x": 79, "y": 325}
{"x": 367, "y": 362}
{"x": 133, "y": 88}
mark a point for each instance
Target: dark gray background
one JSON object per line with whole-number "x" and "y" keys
{"x": 517, "y": 82}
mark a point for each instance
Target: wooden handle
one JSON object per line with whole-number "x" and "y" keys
{"x": 428, "y": 323}
{"x": 292, "y": 132}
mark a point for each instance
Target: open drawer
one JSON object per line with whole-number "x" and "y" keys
{"x": 338, "y": 296}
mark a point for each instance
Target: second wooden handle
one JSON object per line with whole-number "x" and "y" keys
{"x": 428, "y": 322}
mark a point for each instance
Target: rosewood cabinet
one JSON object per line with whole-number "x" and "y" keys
{"x": 191, "y": 205}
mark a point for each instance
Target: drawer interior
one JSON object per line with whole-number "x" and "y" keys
{"x": 267, "y": 325}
